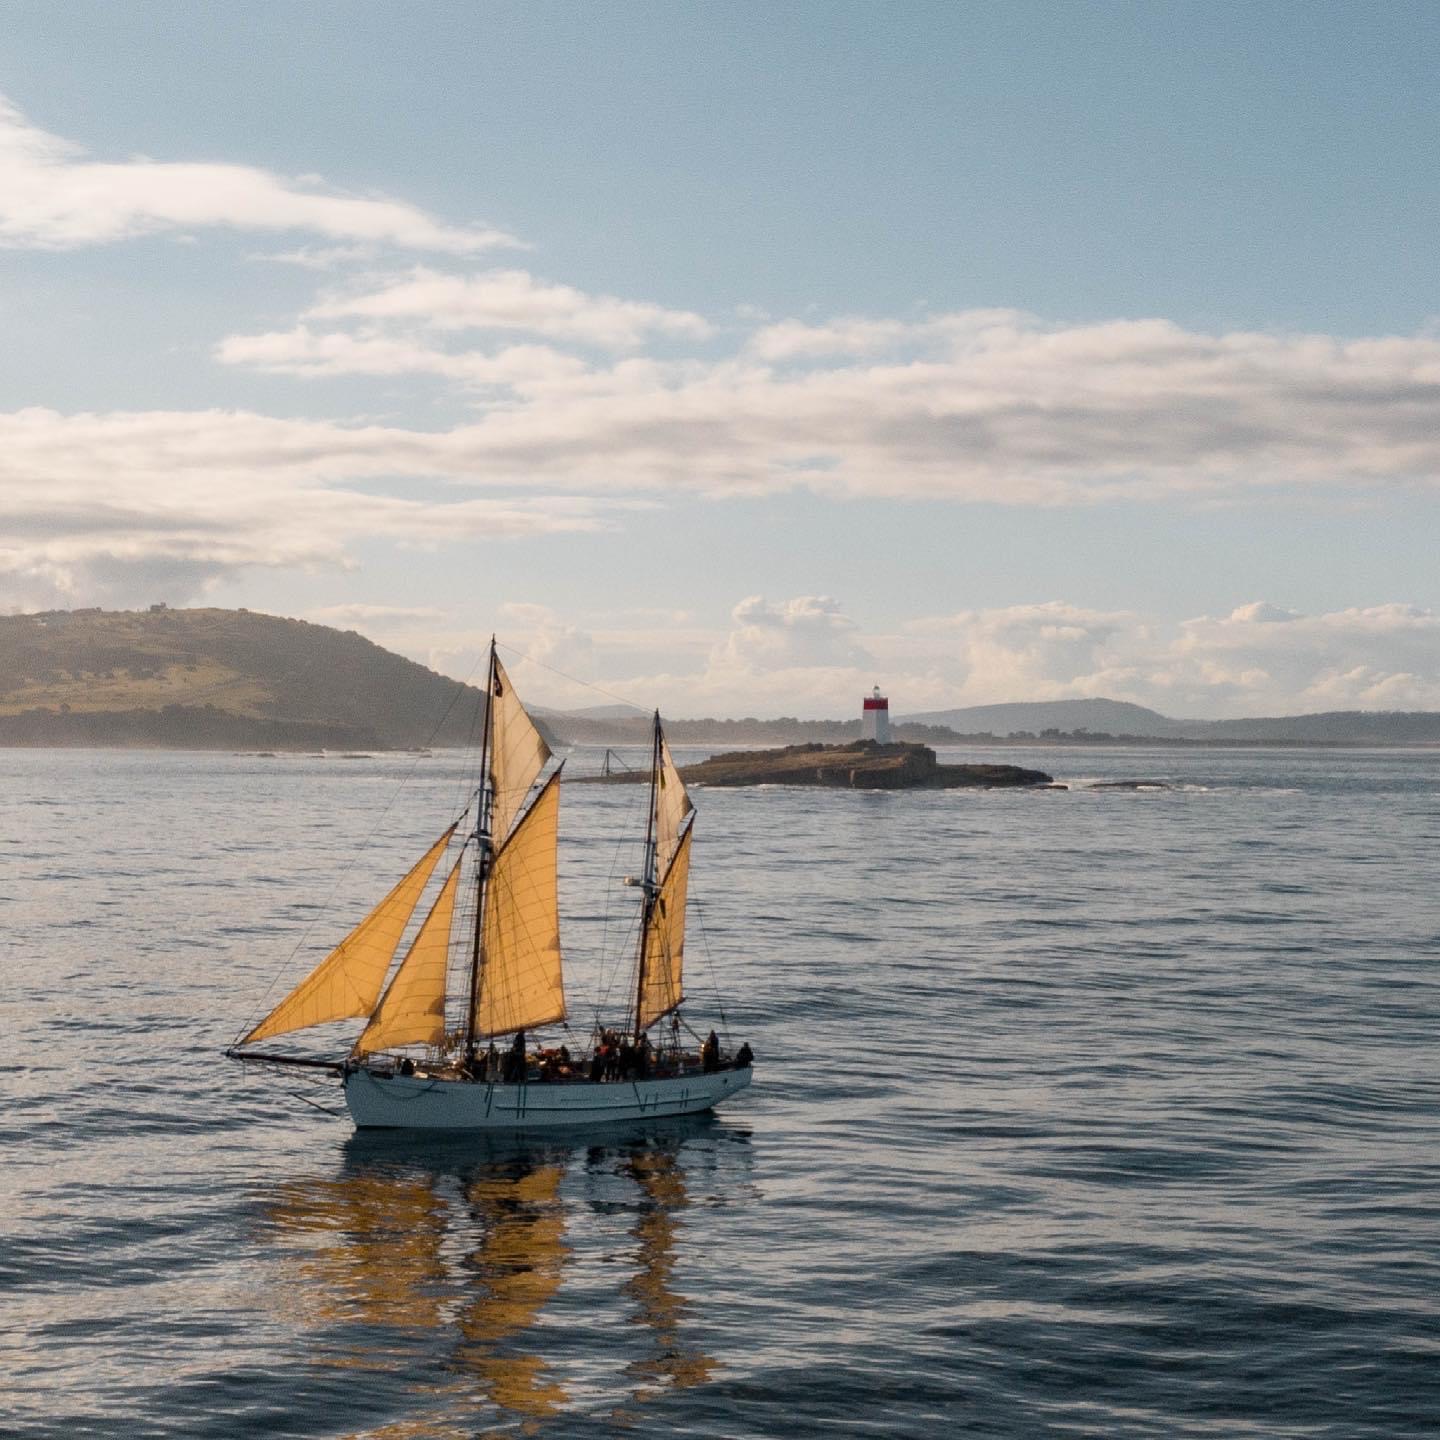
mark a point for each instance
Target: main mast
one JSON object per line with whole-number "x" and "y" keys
{"x": 484, "y": 800}
{"x": 648, "y": 883}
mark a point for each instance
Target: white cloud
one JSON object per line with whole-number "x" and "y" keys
{"x": 794, "y": 340}
{"x": 1013, "y": 412}
{"x": 1260, "y": 659}
{"x": 1261, "y": 612}
{"x": 805, "y": 632}
{"x": 359, "y": 615}
{"x": 1044, "y": 651}
{"x": 805, "y": 657}
{"x": 551, "y": 659}
{"x": 1381, "y": 657}
{"x": 857, "y": 335}
{"x": 304, "y": 352}
{"x": 983, "y": 405}
{"x": 999, "y": 409}
{"x": 52, "y": 198}
{"x": 551, "y": 643}
{"x": 1016, "y": 413}
{"x": 106, "y": 507}
{"x": 799, "y": 656}
{"x": 322, "y": 257}
{"x": 511, "y": 300}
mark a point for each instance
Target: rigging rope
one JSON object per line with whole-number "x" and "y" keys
{"x": 699, "y": 912}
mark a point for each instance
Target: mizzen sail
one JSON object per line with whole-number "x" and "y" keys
{"x": 664, "y": 959}
{"x": 348, "y": 981}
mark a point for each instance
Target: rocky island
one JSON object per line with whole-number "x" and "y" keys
{"x": 858, "y": 765}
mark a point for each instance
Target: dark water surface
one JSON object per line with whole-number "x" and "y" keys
{"x": 1090, "y": 1113}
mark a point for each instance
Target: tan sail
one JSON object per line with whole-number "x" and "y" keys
{"x": 347, "y": 982}
{"x": 661, "y": 991}
{"x": 517, "y": 755}
{"x": 520, "y": 981}
{"x": 672, "y": 805}
{"x": 412, "y": 1010}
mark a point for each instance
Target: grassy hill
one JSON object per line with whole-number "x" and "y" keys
{"x": 216, "y": 678}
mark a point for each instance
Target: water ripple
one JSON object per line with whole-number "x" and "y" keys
{"x": 1102, "y": 1112}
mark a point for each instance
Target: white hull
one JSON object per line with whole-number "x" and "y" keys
{"x": 416, "y": 1102}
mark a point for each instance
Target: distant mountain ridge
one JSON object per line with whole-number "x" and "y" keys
{"x": 594, "y": 712}
{"x": 1115, "y": 716}
{"x": 212, "y": 678}
{"x": 1120, "y": 718}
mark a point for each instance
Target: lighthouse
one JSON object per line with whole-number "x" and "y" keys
{"x": 875, "y": 718}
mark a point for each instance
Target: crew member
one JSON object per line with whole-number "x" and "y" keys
{"x": 515, "y": 1061}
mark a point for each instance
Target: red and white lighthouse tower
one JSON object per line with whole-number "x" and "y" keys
{"x": 875, "y": 718}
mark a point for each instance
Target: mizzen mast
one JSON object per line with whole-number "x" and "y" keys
{"x": 659, "y": 981}
{"x": 648, "y": 886}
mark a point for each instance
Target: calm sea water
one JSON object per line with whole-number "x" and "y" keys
{"x": 1091, "y": 1113}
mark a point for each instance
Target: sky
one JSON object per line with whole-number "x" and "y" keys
{"x": 735, "y": 358}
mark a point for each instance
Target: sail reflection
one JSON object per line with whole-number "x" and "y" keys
{"x": 442, "y": 1272}
{"x": 369, "y": 1247}
{"x": 676, "y": 1361}
{"x": 515, "y": 1270}
{"x": 473, "y": 1250}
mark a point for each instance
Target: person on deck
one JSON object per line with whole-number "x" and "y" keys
{"x": 515, "y": 1060}
{"x": 744, "y": 1057}
{"x": 710, "y": 1054}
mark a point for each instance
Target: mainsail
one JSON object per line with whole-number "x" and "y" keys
{"x": 347, "y": 982}
{"x": 521, "y": 985}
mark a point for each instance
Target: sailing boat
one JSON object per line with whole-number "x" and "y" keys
{"x": 509, "y": 964}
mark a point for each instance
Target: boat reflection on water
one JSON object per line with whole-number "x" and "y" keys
{"x": 517, "y": 1209}
{"x": 676, "y": 1361}
{"x": 440, "y": 1269}
{"x": 367, "y": 1249}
